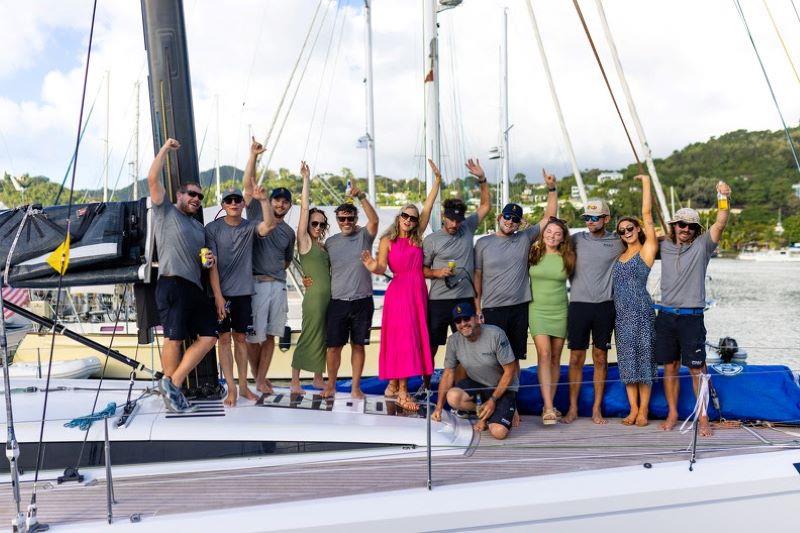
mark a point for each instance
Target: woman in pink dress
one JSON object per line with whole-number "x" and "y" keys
{"x": 405, "y": 350}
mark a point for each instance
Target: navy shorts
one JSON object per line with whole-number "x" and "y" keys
{"x": 240, "y": 315}
{"x": 680, "y": 338}
{"x": 595, "y": 319}
{"x": 348, "y": 320}
{"x": 513, "y": 320}
{"x": 184, "y": 309}
{"x": 504, "y": 407}
{"x": 440, "y": 316}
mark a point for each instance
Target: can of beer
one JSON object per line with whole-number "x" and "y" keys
{"x": 451, "y": 265}
{"x": 203, "y": 258}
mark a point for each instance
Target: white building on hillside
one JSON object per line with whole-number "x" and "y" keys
{"x": 609, "y": 176}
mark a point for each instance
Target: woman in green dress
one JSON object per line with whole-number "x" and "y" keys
{"x": 309, "y": 354}
{"x": 551, "y": 260}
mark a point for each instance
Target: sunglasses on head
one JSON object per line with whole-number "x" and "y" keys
{"x": 233, "y": 200}
{"x": 512, "y": 218}
{"x": 412, "y": 218}
{"x": 683, "y": 225}
{"x": 318, "y": 224}
{"x": 461, "y": 319}
{"x": 350, "y": 218}
{"x": 626, "y": 230}
{"x": 556, "y": 219}
{"x": 592, "y": 218}
{"x": 194, "y": 194}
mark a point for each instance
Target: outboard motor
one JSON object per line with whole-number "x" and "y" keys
{"x": 727, "y": 349}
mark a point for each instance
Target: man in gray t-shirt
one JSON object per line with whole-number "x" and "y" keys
{"x": 484, "y": 352}
{"x": 591, "y": 307}
{"x": 449, "y": 259}
{"x": 349, "y": 314}
{"x": 680, "y": 330}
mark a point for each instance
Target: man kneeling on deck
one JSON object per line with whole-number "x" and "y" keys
{"x": 485, "y": 354}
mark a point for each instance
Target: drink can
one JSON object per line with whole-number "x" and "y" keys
{"x": 203, "y": 258}
{"x": 451, "y": 265}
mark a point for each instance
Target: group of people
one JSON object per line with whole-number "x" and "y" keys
{"x": 491, "y": 294}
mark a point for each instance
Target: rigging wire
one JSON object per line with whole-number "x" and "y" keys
{"x": 780, "y": 38}
{"x": 39, "y": 447}
{"x": 608, "y": 85}
{"x": 796, "y": 14}
{"x": 769, "y": 83}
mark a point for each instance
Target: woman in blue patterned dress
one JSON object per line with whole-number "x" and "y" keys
{"x": 634, "y": 326}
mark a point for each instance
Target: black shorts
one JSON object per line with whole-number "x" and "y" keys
{"x": 240, "y": 315}
{"x": 680, "y": 338}
{"x": 503, "y": 409}
{"x": 513, "y": 320}
{"x": 585, "y": 318}
{"x": 184, "y": 309}
{"x": 440, "y": 315}
{"x": 348, "y": 320}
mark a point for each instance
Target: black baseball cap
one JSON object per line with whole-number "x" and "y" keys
{"x": 281, "y": 192}
{"x": 513, "y": 210}
{"x": 455, "y": 213}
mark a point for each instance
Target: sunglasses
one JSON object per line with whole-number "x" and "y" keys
{"x": 318, "y": 224}
{"x": 512, "y": 218}
{"x": 233, "y": 200}
{"x": 412, "y": 218}
{"x": 626, "y": 230}
{"x": 683, "y": 225}
{"x": 461, "y": 319}
{"x": 556, "y": 219}
{"x": 592, "y": 218}
{"x": 195, "y": 194}
{"x": 350, "y": 218}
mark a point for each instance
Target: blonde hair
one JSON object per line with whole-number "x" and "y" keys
{"x": 393, "y": 231}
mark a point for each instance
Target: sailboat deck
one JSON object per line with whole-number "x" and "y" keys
{"x": 531, "y": 450}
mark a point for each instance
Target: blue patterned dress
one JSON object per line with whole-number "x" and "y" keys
{"x": 634, "y": 327}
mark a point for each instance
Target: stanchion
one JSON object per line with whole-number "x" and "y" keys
{"x": 110, "y": 500}
{"x": 428, "y": 417}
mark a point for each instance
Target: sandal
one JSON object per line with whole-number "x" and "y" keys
{"x": 390, "y": 392}
{"x": 405, "y": 402}
{"x": 549, "y": 417}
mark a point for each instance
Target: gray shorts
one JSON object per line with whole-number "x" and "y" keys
{"x": 270, "y": 310}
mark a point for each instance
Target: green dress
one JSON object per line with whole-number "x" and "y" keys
{"x": 547, "y": 312}
{"x": 309, "y": 354}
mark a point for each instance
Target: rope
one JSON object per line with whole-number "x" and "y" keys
{"x": 700, "y": 406}
{"x": 780, "y": 38}
{"x": 40, "y": 447}
{"x": 608, "y": 85}
{"x": 85, "y": 422}
{"x": 769, "y": 84}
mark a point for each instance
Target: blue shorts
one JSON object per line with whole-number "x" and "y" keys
{"x": 680, "y": 338}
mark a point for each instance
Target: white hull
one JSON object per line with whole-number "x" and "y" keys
{"x": 72, "y": 369}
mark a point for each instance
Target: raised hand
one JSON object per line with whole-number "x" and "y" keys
{"x": 723, "y": 188}
{"x": 259, "y": 193}
{"x": 435, "y": 169}
{"x": 354, "y": 190}
{"x": 305, "y": 173}
{"x": 642, "y": 177}
{"x": 549, "y": 179}
{"x": 256, "y": 148}
{"x": 171, "y": 145}
{"x": 475, "y": 168}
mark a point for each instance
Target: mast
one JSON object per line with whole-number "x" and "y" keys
{"x": 504, "y": 112}
{"x": 105, "y": 142}
{"x": 371, "y": 191}
{"x": 136, "y": 146}
{"x": 216, "y": 166}
{"x": 431, "y": 83}
{"x": 564, "y": 133}
{"x": 648, "y": 156}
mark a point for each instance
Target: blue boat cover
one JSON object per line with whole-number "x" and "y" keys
{"x": 759, "y": 392}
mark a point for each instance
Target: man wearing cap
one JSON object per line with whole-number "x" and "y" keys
{"x": 271, "y": 257}
{"x": 184, "y": 310}
{"x": 680, "y": 330}
{"x": 591, "y": 311}
{"x": 231, "y": 239}
{"x": 349, "y": 315}
{"x": 485, "y": 354}
{"x": 449, "y": 260}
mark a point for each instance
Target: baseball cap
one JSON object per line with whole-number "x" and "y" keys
{"x": 281, "y": 192}
{"x": 463, "y": 310}
{"x": 513, "y": 210}
{"x": 231, "y": 191}
{"x": 686, "y": 214}
{"x": 455, "y": 213}
{"x": 596, "y": 207}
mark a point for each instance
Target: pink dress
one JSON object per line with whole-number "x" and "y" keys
{"x": 405, "y": 351}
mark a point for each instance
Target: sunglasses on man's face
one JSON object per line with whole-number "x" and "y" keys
{"x": 195, "y": 194}
{"x": 412, "y": 218}
{"x": 346, "y": 219}
{"x": 592, "y": 218}
{"x": 626, "y": 230}
{"x": 318, "y": 224}
{"x": 512, "y": 218}
{"x": 683, "y": 225}
{"x": 461, "y": 319}
{"x": 233, "y": 200}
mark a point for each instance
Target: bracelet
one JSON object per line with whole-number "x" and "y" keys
{"x": 482, "y": 181}
{"x": 361, "y": 196}
{"x": 494, "y": 398}
{"x": 552, "y": 190}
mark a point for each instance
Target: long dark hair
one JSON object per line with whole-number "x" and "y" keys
{"x": 635, "y": 222}
{"x": 322, "y": 231}
{"x": 565, "y": 249}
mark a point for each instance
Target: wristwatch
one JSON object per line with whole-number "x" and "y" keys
{"x": 553, "y": 189}
{"x": 361, "y": 195}
{"x": 482, "y": 181}
{"x": 494, "y": 398}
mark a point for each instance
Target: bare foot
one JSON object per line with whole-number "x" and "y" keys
{"x": 230, "y": 399}
{"x": 515, "y": 420}
{"x": 318, "y": 382}
{"x": 669, "y": 423}
{"x": 296, "y": 388}
{"x": 642, "y": 420}
{"x": 705, "y": 429}
{"x": 572, "y": 414}
{"x": 247, "y": 394}
{"x": 630, "y": 419}
{"x": 597, "y": 418}
{"x": 328, "y": 392}
{"x": 264, "y": 386}
{"x": 357, "y": 394}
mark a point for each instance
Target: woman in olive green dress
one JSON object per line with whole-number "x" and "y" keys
{"x": 551, "y": 260}
{"x": 309, "y": 354}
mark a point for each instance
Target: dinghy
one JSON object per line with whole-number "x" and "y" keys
{"x": 82, "y": 368}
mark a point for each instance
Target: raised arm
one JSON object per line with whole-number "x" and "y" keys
{"x": 425, "y": 216}
{"x": 303, "y": 239}
{"x": 269, "y": 223}
{"x": 377, "y": 265}
{"x": 650, "y": 246}
{"x": 552, "y": 199}
{"x": 372, "y": 216}
{"x": 249, "y": 179}
{"x": 474, "y": 167}
{"x": 715, "y": 232}
{"x": 154, "y": 182}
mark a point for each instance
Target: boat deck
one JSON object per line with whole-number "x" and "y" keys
{"x": 531, "y": 450}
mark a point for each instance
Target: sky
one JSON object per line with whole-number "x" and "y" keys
{"x": 689, "y": 64}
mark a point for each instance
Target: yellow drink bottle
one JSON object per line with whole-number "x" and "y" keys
{"x": 722, "y": 202}
{"x": 203, "y": 258}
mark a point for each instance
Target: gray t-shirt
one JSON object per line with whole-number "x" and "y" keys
{"x": 440, "y": 248}
{"x": 179, "y": 238}
{"x": 683, "y": 271}
{"x": 503, "y": 262}
{"x": 271, "y": 253}
{"x": 591, "y": 280}
{"x": 483, "y": 359}
{"x": 233, "y": 246}
{"x": 350, "y": 280}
